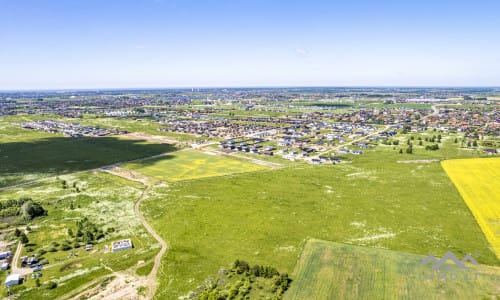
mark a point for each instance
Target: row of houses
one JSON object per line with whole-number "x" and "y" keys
{"x": 217, "y": 128}
{"x": 71, "y": 129}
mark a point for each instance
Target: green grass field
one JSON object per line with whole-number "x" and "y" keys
{"x": 29, "y": 154}
{"x": 191, "y": 164}
{"x": 264, "y": 217}
{"x": 327, "y": 270}
{"x": 108, "y": 202}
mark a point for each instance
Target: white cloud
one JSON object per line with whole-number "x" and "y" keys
{"x": 301, "y": 52}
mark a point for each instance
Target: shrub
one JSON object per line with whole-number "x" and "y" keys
{"x": 51, "y": 285}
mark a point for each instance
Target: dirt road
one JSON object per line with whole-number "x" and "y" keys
{"x": 151, "y": 281}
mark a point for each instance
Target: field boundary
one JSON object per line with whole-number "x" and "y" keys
{"x": 477, "y": 212}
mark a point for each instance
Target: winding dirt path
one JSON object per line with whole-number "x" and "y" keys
{"x": 151, "y": 279}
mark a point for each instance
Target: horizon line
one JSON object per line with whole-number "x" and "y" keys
{"x": 242, "y": 87}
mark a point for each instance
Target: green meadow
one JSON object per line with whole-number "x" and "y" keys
{"x": 264, "y": 217}
{"x": 29, "y": 154}
{"x": 191, "y": 164}
{"x": 327, "y": 270}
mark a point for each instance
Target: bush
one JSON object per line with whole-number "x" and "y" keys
{"x": 51, "y": 285}
{"x": 65, "y": 247}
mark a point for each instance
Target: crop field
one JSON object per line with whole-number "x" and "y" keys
{"x": 264, "y": 217}
{"x": 191, "y": 164}
{"x": 478, "y": 181}
{"x": 327, "y": 270}
{"x": 107, "y": 201}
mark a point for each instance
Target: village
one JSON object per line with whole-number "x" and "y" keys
{"x": 31, "y": 267}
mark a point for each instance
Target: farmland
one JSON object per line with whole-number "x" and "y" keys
{"x": 327, "y": 270}
{"x": 478, "y": 180}
{"x": 264, "y": 217}
{"x": 191, "y": 164}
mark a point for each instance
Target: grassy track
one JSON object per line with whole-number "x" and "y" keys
{"x": 478, "y": 181}
{"x": 327, "y": 270}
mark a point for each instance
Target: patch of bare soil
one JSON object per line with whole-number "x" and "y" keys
{"x": 122, "y": 286}
{"x": 131, "y": 175}
{"x": 417, "y": 161}
{"x": 149, "y": 138}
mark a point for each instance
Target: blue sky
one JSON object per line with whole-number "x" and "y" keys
{"x": 167, "y": 43}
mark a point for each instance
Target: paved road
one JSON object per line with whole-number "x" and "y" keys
{"x": 354, "y": 141}
{"x": 435, "y": 112}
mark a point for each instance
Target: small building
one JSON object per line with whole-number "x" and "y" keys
{"x": 316, "y": 161}
{"x": 28, "y": 261}
{"x": 121, "y": 245}
{"x": 12, "y": 279}
{"x": 88, "y": 247}
{"x": 4, "y": 266}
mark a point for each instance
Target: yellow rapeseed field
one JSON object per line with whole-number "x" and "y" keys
{"x": 478, "y": 181}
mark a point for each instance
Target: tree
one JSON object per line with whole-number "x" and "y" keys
{"x": 17, "y": 232}
{"x": 400, "y": 151}
{"x": 70, "y": 232}
{"x": 64, "y": 184}
{"x": 456, "y": 140}
{"x": 37, "y": 282}
{"x": 31, "y": 210}
{"x": 409, "y": 150}
{"x": 474, "y": 143}
{"x": 23, "y": 238}
{"x": 51, "y": 285}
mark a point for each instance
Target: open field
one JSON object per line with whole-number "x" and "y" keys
{"x": 478, "y": 181}
{"x": 191, "y": 164}
{"x": 107, "y": 201}
{"x": 28, "y": 154}
{"x": 264, "y": 217}
{"x": 327, "y": 270}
